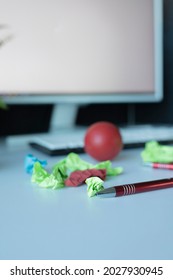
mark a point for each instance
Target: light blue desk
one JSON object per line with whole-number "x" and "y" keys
{"x": 46, "y": 224}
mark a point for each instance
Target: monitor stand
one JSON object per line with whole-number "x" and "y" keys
{"x": 64, "y": 118}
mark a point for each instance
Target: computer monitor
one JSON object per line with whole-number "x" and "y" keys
{"x": 81, "y": 51}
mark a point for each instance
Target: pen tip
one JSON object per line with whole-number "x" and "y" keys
{"x": 109, "y": 192}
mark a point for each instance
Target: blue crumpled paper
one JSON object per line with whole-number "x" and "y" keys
{"x": 30, "y": 160}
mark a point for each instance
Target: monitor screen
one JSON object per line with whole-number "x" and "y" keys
{"x": 83, "y": 51}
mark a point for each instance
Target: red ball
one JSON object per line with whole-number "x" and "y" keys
{"x": 103, "y": 141}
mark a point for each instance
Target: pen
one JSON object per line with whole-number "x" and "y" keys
{"x": 160, "y": 165}
{"x": 128, "y": 189}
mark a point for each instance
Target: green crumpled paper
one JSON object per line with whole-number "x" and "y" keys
{"x": 41, "y": 177}
{"x": 155, "y": 152}
{"x": 110, "y": 171}
{"x": 94, "y": 185}
{"x": 74, "y": 162}
{"x": 62, "y": 169}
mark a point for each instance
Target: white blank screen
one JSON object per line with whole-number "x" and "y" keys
{"x": 76, "y": 46}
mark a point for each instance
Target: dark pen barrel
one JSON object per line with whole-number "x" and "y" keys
{"x": 143, "y": 187}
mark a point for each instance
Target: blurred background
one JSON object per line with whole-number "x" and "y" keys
{"x": 24, "y": 119}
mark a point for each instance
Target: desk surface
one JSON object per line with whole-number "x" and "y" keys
{"x": 47, "y": 224}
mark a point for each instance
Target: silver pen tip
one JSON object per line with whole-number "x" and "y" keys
{"x": 109, "y": 192}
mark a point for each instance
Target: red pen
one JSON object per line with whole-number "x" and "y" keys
{"x": 135, "y": 188}
{"x": 160, "y": 165}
